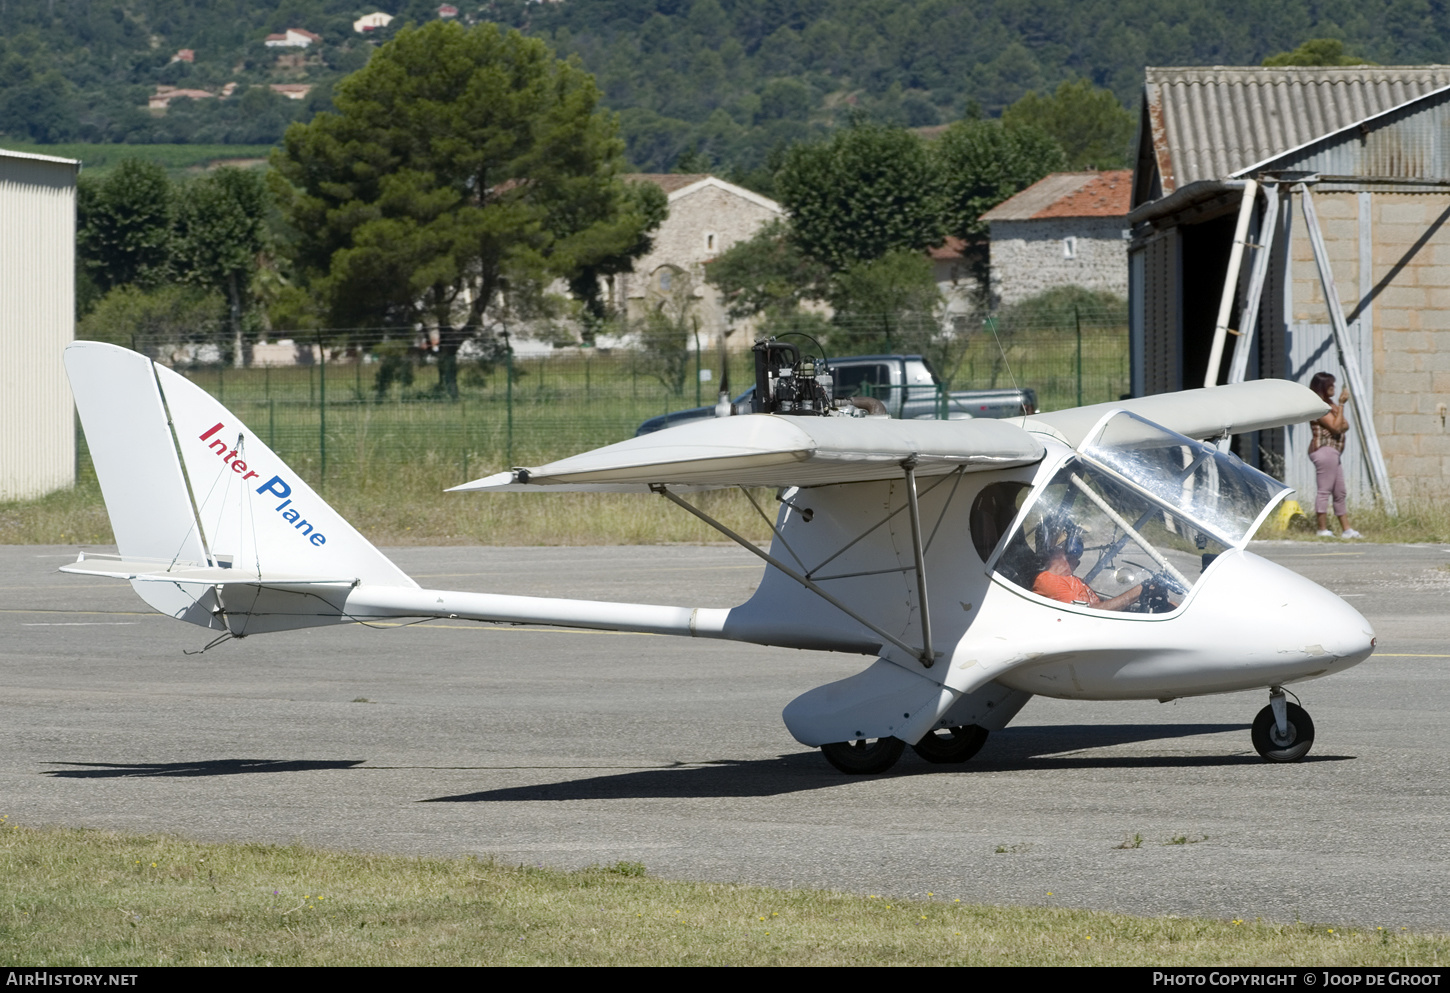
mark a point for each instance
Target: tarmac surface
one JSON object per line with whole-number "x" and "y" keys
{"x": 568, "y": 749}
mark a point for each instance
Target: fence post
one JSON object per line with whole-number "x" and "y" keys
{"x": 1077, "y": 320}
{"x": 322, "y": 407}
{"x": 508, "y": 359}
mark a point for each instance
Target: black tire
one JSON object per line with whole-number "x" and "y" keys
{"x": 1265, "y": 735}
{"x": 951, "y": 745}
{"x": 864, "y": 756}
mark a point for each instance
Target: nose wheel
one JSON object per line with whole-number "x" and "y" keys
{"x": 1283, "y": 731}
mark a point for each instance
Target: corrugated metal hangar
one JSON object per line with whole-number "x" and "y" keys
{"x": 1257, "y": 188}
{"x": 37, "y": 321}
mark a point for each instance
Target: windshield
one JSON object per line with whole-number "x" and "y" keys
{"x": 1214, "y": 489}
{"x": 1133, "y": 521}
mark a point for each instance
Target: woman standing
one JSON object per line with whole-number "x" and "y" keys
{"x": 1324, "y": 451}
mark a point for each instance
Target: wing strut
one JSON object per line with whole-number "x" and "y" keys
{"x": 924, "y": 655}
{"x": 927, "y": 655}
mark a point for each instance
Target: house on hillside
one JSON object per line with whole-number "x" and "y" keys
{"x": 371, "y": 22}
{"x": 293, "y": 38}
{"x": 1067, "y": 229}
{"x": 165, "y": 94}
{"x": 707, "y": 216}
{"x": 1363, "y": 147}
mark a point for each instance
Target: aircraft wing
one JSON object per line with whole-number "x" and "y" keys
{"x": 772, "y": 450}
{"x": 1201, "y": 413}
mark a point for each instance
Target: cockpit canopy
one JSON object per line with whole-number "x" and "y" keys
{"x": 1214, "y": 490}
{"x": 1139, "y": 504}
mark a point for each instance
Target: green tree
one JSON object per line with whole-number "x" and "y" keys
{"x": 1318, "y": 52}
{"x": 220, "y": 232}
{"x": 459, "y": 161}
{"x": 640, "y": 208}
{"x": 981, "y": 163}
{"x": 1092, "y": 127}
{"x": 888, "y": 304}
{"x": 149, "y": 320}
{"x": 124, "y": 226}
{"x": 868, "y": 191}
{"x": 766, "y": 274}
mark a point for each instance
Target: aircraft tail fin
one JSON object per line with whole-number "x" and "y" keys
{"x": 189, "y": 487}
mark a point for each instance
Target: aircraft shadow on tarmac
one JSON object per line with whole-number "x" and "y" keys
{"x": 218, "y": 767}
{"x": 1015, "y": 749}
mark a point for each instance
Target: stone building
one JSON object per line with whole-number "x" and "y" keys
{"x": 707, "y": 216}
{"x": 1365, "y": 146}
{"x": 1067, "y": 229}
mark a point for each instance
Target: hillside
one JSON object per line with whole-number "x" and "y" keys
{"x": 720, "y": 82}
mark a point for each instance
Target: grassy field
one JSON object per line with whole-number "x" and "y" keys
{"x": 95, "y": 898}
{"x": 179, "y": 160}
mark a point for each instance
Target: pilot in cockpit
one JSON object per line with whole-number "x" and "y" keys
{"x": 1057, "y": 582}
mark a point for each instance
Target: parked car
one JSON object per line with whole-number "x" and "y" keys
{"x": 906, "y": 384}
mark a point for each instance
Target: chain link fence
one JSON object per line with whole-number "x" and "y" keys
{"x": 345, "y": 404}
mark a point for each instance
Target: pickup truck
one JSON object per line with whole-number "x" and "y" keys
{"x": 906, "y": 384}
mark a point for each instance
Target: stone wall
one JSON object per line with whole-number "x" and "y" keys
{"x": 1029, "y": 257}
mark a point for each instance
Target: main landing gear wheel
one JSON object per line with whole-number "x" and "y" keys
{"x": 1277, "y": 746}
{"x": 864, "y": 756}
{"x": 950, "y": 745}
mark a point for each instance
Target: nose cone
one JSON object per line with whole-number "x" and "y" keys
{"x": 1306, "y": 629}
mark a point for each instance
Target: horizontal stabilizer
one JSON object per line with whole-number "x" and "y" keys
{"x": 115, "y": 567}
{"x": 772, "y": 450}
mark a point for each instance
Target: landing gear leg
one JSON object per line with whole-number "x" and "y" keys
{"x": 1282, "y": 731}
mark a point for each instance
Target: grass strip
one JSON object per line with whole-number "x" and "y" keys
{"x": 407, "y": 506}
{"x": 78, "y": 897}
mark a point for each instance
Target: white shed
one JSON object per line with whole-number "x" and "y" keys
{"x": 37, "y": 321}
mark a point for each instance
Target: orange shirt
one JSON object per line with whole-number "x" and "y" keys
{"x": 1068, "y": 589}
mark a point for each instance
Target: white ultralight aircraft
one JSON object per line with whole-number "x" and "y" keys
{"x": 939, "y": 548}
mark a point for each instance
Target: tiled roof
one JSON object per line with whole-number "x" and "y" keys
{"x": 667, "y": 181}
{"x": 1069, "y": 194}
{"x": 947, "y": 251}
{"x": 1211, "y": 122}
